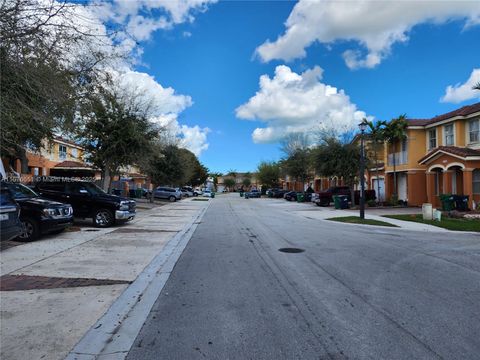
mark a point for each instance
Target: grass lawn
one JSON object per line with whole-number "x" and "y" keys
{"x": 357, "y": 220}
{"x": 446, "y": 223}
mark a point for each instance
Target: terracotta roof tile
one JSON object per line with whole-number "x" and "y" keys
{"x": 71, "y": 164}
{"x": 454, "y": 150}
{"x": 463, "y": 111}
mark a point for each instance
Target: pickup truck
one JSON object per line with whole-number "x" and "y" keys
{"x": 89, "y": 201}
{"x": 37, "y": 214}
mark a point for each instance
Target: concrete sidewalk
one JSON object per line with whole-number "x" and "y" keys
{"x": 57, "y": 288}
{"x": 311, "y": 211}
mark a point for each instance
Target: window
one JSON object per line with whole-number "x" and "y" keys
{"x": 62, "y": 152}
{"x": 74, "y": 153}
{"x": 474, "y": 130}
{"x": 476, "y": 181}
{"x": 448, "y": 130}
{"x": 432, "y": 139}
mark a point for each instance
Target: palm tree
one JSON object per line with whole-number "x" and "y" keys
{"x": 395, "y": 131}
{"x": 476, "y": 86}
{"x": 377, "y": 136}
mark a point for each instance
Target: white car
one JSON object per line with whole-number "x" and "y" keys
{"x": 207, "y": 193}
{"x": 197, "y": 191}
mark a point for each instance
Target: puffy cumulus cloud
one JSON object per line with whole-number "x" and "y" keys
{"x": 376, "y": 25}
{"x": 193, "y": 138}
{"x": 158, "y": 99}
{"x": 461, "y": 92}
{"x": 291, "y": 103}
{"x": 142, "y": 17}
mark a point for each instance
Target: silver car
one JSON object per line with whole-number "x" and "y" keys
{"x": 163, "y": 192}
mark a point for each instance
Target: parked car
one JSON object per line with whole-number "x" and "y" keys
{"x": 207, "y": 193}
{"x": 324, "y": 198}
{"x": 187, "y": 191}
{"x": 197, "y": 191}
{"x": 290, "y": 196}
{"x": 278, "y": 193}
{"x": 10, "y": 224}
{"x": 39, "y": 215}
{"x": 89, "y": 201}
{"x": 253, "y": 194}
{"x": 171, "y": 194}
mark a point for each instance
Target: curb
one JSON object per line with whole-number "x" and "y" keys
{"x": 112, "y": 336}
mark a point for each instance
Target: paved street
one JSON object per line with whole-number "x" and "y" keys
{"x": 356, "y": 292}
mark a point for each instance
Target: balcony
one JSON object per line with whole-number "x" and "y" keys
{"x": 401, "y": 158}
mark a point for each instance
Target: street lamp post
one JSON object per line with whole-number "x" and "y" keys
{"x": 363, "y": 126}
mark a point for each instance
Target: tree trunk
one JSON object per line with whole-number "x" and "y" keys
{"x": 106, "y": 178}
{"x": 22, "y": 155}
{"x": 394, "y": 174}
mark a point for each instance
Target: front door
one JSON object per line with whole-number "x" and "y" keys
{"x": 402, "y": 186}
{"x": 379, "y": 187}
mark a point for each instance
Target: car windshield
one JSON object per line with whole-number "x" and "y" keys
{"x": 20, "y": 191}
{"x": 92, "y": 188}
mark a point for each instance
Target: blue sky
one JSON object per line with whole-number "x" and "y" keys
{"x": 217, "y": 58}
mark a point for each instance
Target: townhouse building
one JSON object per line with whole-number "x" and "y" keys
{"x": 440, "y": 155}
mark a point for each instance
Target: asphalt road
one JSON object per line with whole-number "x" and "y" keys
{"x": 356, "y": 292}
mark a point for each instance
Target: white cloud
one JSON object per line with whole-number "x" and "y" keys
{"x": 461, "y": 92}
{"x": 291, "y": 102}
{"x": 193, "y": 138}
{"x": 375, "y": 25}
{"x": 143, "y": 17}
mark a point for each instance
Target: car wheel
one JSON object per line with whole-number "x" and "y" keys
{"x": 31, "y": 230}
{"x": 172, "y": 198}
{"x": 103, "y": 218}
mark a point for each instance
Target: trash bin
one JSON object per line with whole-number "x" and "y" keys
{"x": 213, "y": 194}
{"x": 336, "y": 201}
{"x": 427, "y": 212}
{"x": 241, "y": 193}
{"x": 460, "y": 202}
{"x": 343, "y": 199}
{"x": 300, "y": 197}
{"x": 447, "y": 202}
{"x": 270, "y": 194}
{"x": 139, "y": 193}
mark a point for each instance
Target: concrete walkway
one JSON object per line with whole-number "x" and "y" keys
{"x": 311, "y": 211}
{"x": 44, "y": 320}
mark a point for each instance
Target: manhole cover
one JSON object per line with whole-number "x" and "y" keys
{"x": 291, "y": 250}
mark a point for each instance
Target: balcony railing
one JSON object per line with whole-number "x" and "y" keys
{"x": 401, "y": 158}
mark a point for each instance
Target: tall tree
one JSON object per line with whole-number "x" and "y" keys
{"x": 476, "y": 86}
{"x": 229, "y": 183}
{"x": 394, "y": 132}
{"x": 268, "y": 174}
{"x": 39, "y": 74}
{"x": 377, "y": 138}
{"x": 114, "y": 130}
{"x": 333, "y": 158}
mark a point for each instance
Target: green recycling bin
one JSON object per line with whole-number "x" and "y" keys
{"x": 447, "y": 202}
{"x": 213, "y": 194}
{"x": 336, "y": 201}
{"x": 300, "y": 197}
{"x": 139, "y": 193}
{"x": 241, "y": 193}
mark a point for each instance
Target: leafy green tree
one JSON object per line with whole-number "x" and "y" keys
{"x": 229, "y": 183}
{"x": 268, "y": 173}
{"x": 377, "y": 138}
{"x": 394, "y": 132}
{"x": 298, "y": 164}
{"x": 333, "y": 158}
{"x": 246, "y": 182}
{"x": 114, "y": 132}
{"x": 39, "y": 81}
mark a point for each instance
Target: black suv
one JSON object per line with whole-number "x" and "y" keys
{"x": 10, "y": 224}
{"x": 89, "y": 201}
{"x": 38, "y": 215}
